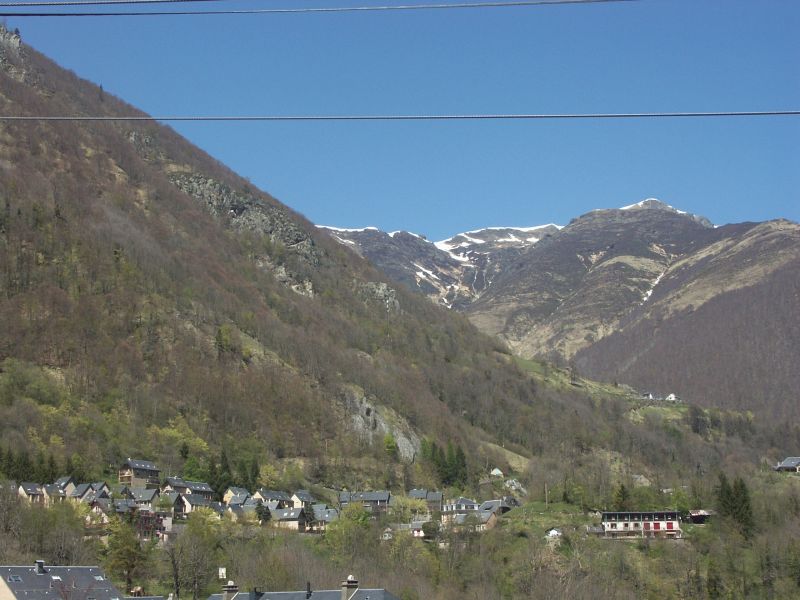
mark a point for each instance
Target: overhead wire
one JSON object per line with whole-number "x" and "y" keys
{"x": 297, "y": 10}
{"x": 420, "y": 117}
{"x": 26, "y": 4}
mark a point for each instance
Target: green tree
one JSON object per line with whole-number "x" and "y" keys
{"x": 127, "y": 556}
{"x": 622, "y": 498}
{"x": 350, "y": 535}
{"x": 742, "y": 508}
{"x": 724, "y": 496}
{"x": 390, "y": 446}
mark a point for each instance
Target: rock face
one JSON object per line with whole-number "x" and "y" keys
{"x": 645, "y": 294}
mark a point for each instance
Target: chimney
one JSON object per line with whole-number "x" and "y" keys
{"x": 229, "y": 590}
{"x": 308, "y": 590}
{"x": 349, "y": 587}
{"x": 40, "y": 570}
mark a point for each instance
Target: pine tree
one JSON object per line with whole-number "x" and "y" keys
{"x": 622, "y": 498}
{"x": 742, "y": 509}
{"x": 725, "y": 499}
{"x": 255, "y": 475}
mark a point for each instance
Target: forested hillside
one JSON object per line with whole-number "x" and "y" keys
{"x": 152, "y": 298}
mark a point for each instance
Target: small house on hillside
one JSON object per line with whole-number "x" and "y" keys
{"x": 303, "y": 499}
{"x": 434, "y": 500}
{"x": 790, "y": 464}
{"x": 375, "y": 502}
{"x": 139, "y": 473}
{"x": 290, "y": 518}
{"x": 459, "y": 506}
{"x": 32, "y": 492}
{"x": 66, "y": 483}
{"x": 233, "y": 492}
{"x": 182, "y": 486}
{"x": 283, "y": 499}
{"x": 53, "y": 494}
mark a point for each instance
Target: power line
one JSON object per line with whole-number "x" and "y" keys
{"x": 96, "y": 2}
{"x": 432, "y": 117}
{"x": 278, "y": 11}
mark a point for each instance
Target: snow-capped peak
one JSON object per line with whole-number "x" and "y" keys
{"x": 653, "y": 203}
{"x": 345, "y": 230}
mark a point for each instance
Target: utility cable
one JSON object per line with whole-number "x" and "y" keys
{"x": 298, "y": 10}
{"x": 96, "y": 2}
{"x": 431, "y": 117}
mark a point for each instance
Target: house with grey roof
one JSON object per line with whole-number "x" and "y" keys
{"x": 323, "y": 516}
{"x": 790, "y": 464}
{"x": 32, "y": 492}
{"x": 43, "y": 582}
{"x": 53, "y": 494}
{"x": 303, "y": 499}
{"x": 232, "y": 492}
{"x": 434, "y": 500}
{"x": 135, "y": 472}
{"x": 295, "y": 519}
{"x": 375, "y": 502}
{"x": 145, "y": 498}
{"x": 66, "y": 483}
{"x": 183, "y": 486}
{"x": 500, "y": 506}
{"x": 459, "y": 506}
{"x": 283, "y": 499}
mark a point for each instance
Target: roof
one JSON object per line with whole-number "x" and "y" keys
{"x": 237, "y": 491}
{"x": 64, "y": 481}
{"x": 790, "y": 462}
{"x": 25, "y": 582}
{"x": 462, "y": 502}
{"x": 31, "y": 489}
{"x": 324, "y": 514}
{"x": 144, "y": 495}
{"x": 379, "y": 496}
{"x": 239, "y": 499}
{"x": 427, "y": 495}
{"x": 287, "y": 514}
{"x": 53, "y": 490}
{"x": 193, "y": 486}
{"x": 304, "y": 496}
{"x": 274, "y": 495}
{"x": 137, "y": 463}
{"x": 196, "y": 500}
{"x": 495, "y": 505}
{"x": 81, "y": 490}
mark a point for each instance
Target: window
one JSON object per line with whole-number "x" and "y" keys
{"x": 670, "y": 525}
{"x": 56, "y": 577}
{"x": 98, "y": 578}
{"x": 14, "y": 579}
{"x": 656, "y": 525}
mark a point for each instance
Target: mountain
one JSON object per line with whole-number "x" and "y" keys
{"x": 453, "y": 272}
{"x": 644, "y": 294}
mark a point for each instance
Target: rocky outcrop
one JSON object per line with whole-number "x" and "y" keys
{"x": 372, "y": 422}
{"x": 245, "y": 212}
{"x": 378, "y": 291}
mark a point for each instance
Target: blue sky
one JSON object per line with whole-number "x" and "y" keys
{"x": 440, "y": 178}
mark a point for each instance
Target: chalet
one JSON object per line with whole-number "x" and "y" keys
{"x": 32, "y": 492}
{"x": 101, "y": 488}
{"x": 182, "y": 486}
{"x": 85, "y": 493}
{"x": 375, "y": 502}
{"x": 238, "y": 500}
{"x": 290, "y": 518}
{"x": 790, "y": 464}
{"x": 283, "y": 499}
{"x": 243, "y": 512}
{"x": 145, "y": 498}
{"x": 303, "y": 499}
{"x": 477, "y": 521}
{"x": 191, "y": 502}
{"x": 699, "y": 517}
{"x": 664, "y": 524}
{"x": 323, "y": 516}
{"x": 459, "y": 506}
{"x": 232, "y": 492}
{"x": 434, "y": 500}
{"x": 53, "y": 494}
{"x": 66, "y": 484}
{"x": 139, "y": 473}
{"x": 500, "y": 507}
{"x": 40, "y": 582}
